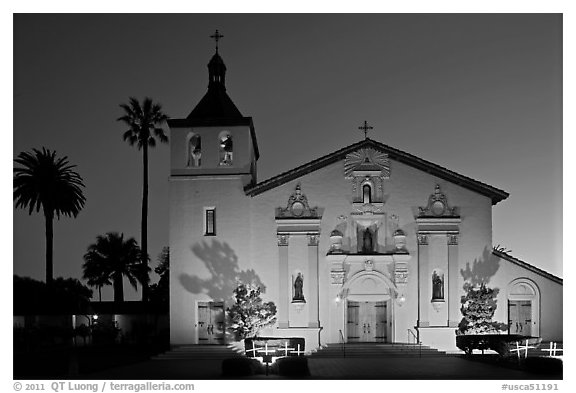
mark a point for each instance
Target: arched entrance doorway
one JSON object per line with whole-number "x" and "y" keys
{"x": 524, "y": 307}
{"x": 369, "y": 309}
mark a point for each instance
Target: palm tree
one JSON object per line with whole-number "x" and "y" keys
{"x": 48, "y": 182}
{"x": 112, "y": 258}
{"x": 144, "y": 126}
{"x": 96, "y": 274}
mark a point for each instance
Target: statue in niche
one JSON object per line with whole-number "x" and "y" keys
{"x": 437, "y": 286}
{"x": 298, "y": 289}
{"x": 367, "y": 243}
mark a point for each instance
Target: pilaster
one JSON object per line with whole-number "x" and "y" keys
{"x": 314, "y": 321}
{"x": 453, "y": 298}
{"x": 423, "y": 281}
{"x": 283, "y": 280}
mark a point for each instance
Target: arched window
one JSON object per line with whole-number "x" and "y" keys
{"x": 194, "y": 151}
{"x": 366, "y": 193}
{"x": 226, "y": 149}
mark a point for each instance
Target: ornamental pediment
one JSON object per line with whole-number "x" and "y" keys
{"x": 297, "y": 206}
{"x": 437, "y": 206}
{"x": 367, "y": 161}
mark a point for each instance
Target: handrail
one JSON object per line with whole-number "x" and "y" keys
{"x": 416, "y": 341}
{"x": 343, "y": 343}
{"x": 411, "y": 333}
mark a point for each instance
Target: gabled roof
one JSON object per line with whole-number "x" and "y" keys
{"x": 495, "y": 194}
{"x": 527, "y": 266}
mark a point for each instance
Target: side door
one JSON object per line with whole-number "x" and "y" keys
{"x": 203, "y": 322}
{"x": 520, "y": 317}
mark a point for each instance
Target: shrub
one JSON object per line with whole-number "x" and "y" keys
{"x": 478, "y": 307}
{"x": 501, "y": 343}
{"x": 249, "y": 314}
{"x": 240, "y": 367}
{"x": 544, "y": 365}
{"x": 293, "y": 367}
{"x": 105, "y": 333}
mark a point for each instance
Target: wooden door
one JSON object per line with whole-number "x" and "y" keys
{"x": 520, "y": 317}
{"x": 210, "y": 323}
{"x": 352, "y": 325}
{"x": 368, "y": 321}
{"x": 203, "y": 322}
{"x": 381, "y": 322}
{"x": 217, "y": 322}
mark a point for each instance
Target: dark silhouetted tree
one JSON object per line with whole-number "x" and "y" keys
{"x": 95, "y": 275}
{"x": 63, "y": 295}
{"x": 48, "y": 182}
{"x": 144, "y": 123}
{"x": 249, "y": 314}
{"x": 112, "y": 258}
{"x": 159, "y": 293}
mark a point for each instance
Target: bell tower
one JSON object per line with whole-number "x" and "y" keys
{"x": 213, "y": 154}
{"x": 215, "y": 138}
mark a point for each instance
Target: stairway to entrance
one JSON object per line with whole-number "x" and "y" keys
{"x": 371, "y": 350}
{"x": 199, "y": 352}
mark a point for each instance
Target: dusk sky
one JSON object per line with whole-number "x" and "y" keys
{"x": 479, "y": 94}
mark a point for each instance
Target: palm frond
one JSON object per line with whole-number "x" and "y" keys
{"x": 49, "y": 182}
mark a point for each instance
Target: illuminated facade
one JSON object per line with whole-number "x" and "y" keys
{"x": 369, "y": 243}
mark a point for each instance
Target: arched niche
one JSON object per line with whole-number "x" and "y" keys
{"x": 193, "y": 150}
{"x": 225, "y": 148}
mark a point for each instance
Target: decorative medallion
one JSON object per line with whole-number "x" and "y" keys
{"x": 367, "y": 160}
{"x": 297, "y": 206}
{"x": 437, "y": 206}
{"x": 368, "y": 265}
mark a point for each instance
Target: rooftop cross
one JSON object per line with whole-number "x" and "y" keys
{"x": 365, "y": 127}
{"x": 216, "y": 37}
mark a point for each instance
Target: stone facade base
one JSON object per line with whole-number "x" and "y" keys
{"x": 311, "y": 335}
{"x": 441, "y": 338}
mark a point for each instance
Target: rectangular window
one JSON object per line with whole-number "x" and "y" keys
{"x": 210, "y": 222}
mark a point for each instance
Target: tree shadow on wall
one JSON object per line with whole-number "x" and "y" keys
{"x": 225, "y": 274}
{"x": 481, "y": 270}
{"x": 477, "y": 276}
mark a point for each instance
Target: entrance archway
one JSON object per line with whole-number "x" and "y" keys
{"x": 369, "y": 307}
{"x": 524, "y": 307}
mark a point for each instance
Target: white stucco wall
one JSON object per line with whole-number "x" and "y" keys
{"x": 550, "y": 293}
{"x": 245, "y": 248}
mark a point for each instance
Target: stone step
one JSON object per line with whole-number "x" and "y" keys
{"x": 360, "y": 350}
{"x": 198, "y": 352}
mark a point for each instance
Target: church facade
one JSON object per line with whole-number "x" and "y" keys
{"x": 367, "y": 244}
